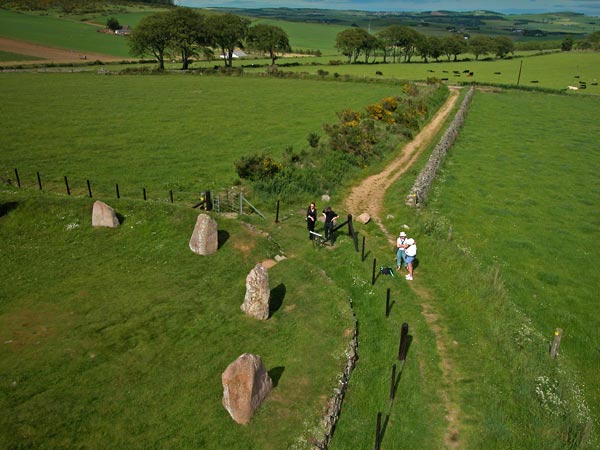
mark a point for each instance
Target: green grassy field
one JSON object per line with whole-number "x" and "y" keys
{"x": 520, "y": 192}
{"x": 119, "y": 337}
{"x": 55, "y": 32}
{"x": 9, "y": 56}
{"x": 160, "y": 132}
{"x": 554, "y": 70}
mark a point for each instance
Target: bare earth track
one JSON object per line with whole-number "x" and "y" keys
{"x": 48, "y": 54}
{"x": 368, "y": 197}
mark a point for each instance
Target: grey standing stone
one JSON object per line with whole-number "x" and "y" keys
{"x": 256, "y": 301}
{"x": 104, "y": 216}
{"x": 246, "y": 384}
{"x": 205, "y": 238}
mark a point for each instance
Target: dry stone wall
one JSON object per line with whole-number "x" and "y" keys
{"x": 418, "y": 193}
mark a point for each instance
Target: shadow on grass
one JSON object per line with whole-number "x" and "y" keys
{"x": 7, "y": 207}
{"x": 275, "y": 374}
{"x": 121, "y": 218}
{"x": 383, "y": 427}
{"x": 276, "y": 299}
{"x": 223, "y": 237}
{"x": 396, "y": 381}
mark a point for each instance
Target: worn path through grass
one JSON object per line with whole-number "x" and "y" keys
{"x": 368, "y": 197}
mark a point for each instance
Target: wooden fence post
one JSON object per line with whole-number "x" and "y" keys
{"x": 556, "y": 343}
{"x": 39, "y": 180}
{"x": 373, "y": 276}
{"x": 378, "y": 431}
{"x": 402, "y": 349}
{"x": 363, "y": 249}
{"x": 18, "y": 180}
{"x": 89, "y": 188}
{"x": 350, "y": 226}
{"x": 277, "y": 213}
{"x": 387, "y": 303}
{"x": 144, "y": 190}
{"x": 67, "y": 185}
{"x": 117, "y": 189}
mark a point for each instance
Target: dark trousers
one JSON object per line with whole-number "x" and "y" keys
{"x": 311, "y": 227}
{"x": 329, "y": 231}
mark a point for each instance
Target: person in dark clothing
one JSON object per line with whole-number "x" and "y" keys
{"x": 330, "y": 218}
{"x": 311, "y": 219}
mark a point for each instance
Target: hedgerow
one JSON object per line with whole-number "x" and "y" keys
{"x": 351, "y": 144}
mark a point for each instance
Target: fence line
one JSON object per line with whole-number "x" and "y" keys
{"x": 225, "y": 200}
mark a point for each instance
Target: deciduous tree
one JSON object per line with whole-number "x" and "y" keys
{"x": 351, "y": 42}
{"x": 454, "y": 45}
{"x": 503, "y": 46}
{"x": 187, "y": 33}
{"x": 268, "y": 39}
{"x": 227, "y": 31}
{"x": 481, "y": 45}
{"x": 151, "y": 36}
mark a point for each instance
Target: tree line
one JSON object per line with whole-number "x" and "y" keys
{"x": 400, "y": 43}
{"x": 186, "y": 33}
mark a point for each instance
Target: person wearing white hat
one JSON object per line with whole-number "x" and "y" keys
{"x": 411, "y": 253}
{"x": 400, "y": 248}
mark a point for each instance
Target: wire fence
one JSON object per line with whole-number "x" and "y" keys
{"x": 220, "y": 200}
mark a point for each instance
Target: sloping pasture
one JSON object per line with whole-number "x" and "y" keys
{"x": 554, "y": 71}
{"x": 178, "y": 132}
{"x": 118, "y": 338}
{"x": 56, "y": 32}
{"x": 519, "y": 194}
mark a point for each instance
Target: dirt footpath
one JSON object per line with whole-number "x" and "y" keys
{"x": 368, "y": 197}
{"x": 48, "y": 54}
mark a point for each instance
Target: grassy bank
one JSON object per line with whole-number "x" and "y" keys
{"x": 119, "y": 337}
{"x": 518, "y": 190}
{"x": 160, "y": 132}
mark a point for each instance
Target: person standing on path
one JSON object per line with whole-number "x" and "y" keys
{"x": 311, "y": 219}
{"x": 400, "y": 250}
{"x": 330, "y": 218}
{"x": 411, "y": 253}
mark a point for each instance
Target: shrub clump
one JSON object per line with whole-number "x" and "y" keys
{"x": 257, "y": 167}
{"x": 350, "y": 144}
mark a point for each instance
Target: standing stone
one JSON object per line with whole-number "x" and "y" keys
{"x": 256, "y": 301}
{"x": 104, "y": 216}
{"x": 246, "y": 384}
{"x": 205, "y": 238}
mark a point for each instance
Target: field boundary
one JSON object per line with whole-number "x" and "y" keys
{"x": 418, "y": 193}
